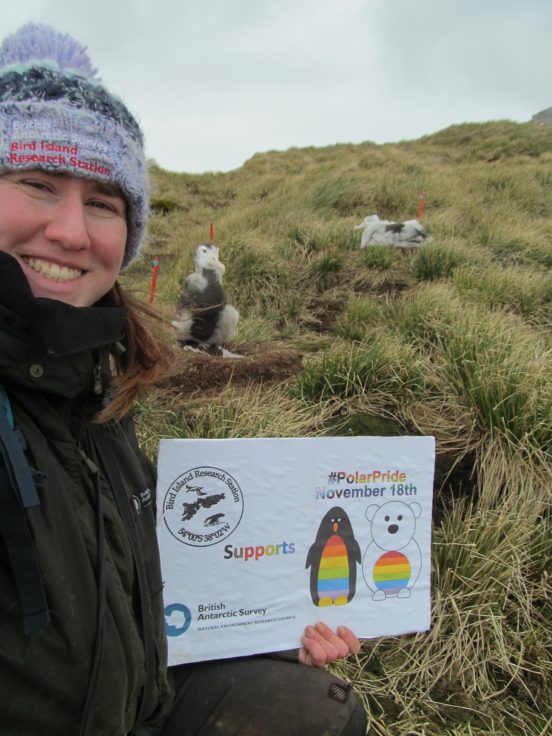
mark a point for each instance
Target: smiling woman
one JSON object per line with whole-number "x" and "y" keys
{"x": 67, "y": 233}
{"x": 73, "y": 208}
{"x": 81, "y": 610}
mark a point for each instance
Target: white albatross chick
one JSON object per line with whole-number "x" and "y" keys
{"x": 204, "y": 319}
{"x": 407, "y": 234}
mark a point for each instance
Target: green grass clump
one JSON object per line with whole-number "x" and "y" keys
{"x": 379, "y": 257}
{"x": 379, "y": 364}
{"x": 304, "y": 239}
{"x": 255, "y": 278}
{"x": 437, "y": 261}
{"x": 524, "y": 291}
{"x": 359, "y": 318}
{"x": 341, "y": 195}
{"x": 504, "y": 373}
{"x": 315, "y": 239}
{"x": 420, "y": 317}
{"x": 324, "y": 271}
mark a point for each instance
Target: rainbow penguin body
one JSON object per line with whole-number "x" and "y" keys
{"x": 332, "y": 559}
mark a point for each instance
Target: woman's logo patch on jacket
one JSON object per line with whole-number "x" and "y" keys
{"x": 141, "y": 500}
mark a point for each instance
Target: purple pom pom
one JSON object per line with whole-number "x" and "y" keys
{"x": 38, "y": 42}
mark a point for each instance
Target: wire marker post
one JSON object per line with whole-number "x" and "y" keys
{"x": 155, "y": 263}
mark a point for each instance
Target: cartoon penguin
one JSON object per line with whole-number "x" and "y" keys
{"x": 332, "y": 560}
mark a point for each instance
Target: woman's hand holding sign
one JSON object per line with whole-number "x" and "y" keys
{"x": 322, "y": 646}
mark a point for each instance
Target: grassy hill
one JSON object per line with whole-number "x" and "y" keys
{"x": 452, "y": 340}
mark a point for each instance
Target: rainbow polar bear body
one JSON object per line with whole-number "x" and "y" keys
{"x": 391, "y": 572}
{"x": 392, "y": 561}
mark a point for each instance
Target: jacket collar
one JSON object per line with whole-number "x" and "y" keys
{"x": 49, "y": 345}
{"x": 60, "y": 328}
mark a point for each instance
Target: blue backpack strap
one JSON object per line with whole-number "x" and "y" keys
{"x": 17, "y": 493}
{"x": 12, "y": 442}
{"x": 7, "y": 406}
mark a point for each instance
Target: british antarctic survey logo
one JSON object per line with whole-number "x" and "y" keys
{"x": 203, "y": 506}
{"x": 177, "y": 619}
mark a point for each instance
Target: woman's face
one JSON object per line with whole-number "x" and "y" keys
{"x": 67, "y": 233}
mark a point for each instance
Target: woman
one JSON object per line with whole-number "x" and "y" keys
{"x": 82, "y": 645}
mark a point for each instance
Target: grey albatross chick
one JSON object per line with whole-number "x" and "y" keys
{"x": 204, "y": 319}
{"x": 407, "y": 234}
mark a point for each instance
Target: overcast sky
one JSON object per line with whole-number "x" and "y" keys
{"x": 214, "y": 81}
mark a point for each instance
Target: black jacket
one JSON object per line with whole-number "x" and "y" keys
{"x": 101, "y": 571}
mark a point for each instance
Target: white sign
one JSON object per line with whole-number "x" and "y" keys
{"x": 260, "y": 537}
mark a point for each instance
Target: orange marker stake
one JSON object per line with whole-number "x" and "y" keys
{"x": 421, "y": 209}
{"x": 211, "y": 232}
{"x": 155, "y": 263}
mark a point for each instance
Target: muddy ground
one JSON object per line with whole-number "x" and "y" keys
{"x": 201, "y": 372}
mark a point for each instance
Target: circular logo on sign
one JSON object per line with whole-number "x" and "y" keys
{"x": 177, "y": 619}
{"x": 203, "y": 506}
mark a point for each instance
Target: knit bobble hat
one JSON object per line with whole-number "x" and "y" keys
{"x": 55, "y": 115}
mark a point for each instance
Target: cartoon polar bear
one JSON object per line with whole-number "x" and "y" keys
{"x": 392, "y": 561}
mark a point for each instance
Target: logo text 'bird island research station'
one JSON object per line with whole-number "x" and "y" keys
{"x": 203, "y": 506}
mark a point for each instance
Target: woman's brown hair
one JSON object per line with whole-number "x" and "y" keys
{"x": 146, "y": 360}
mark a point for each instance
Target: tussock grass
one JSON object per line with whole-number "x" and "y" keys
{"x": 360, "y": 317}
{"x": 524, "y": 291}
{"x": 420, "y": 316}
{"x": 255, "y": 327}
{"x": 324, "y": 271}
{"x": 436, "y": 261}
{"x": 451, "y": 340}
{"x": 379, "y": 257}
{"x": 504, "y": 374}
{"x": 367, "y": 367}
{"x": 250, "y": 412}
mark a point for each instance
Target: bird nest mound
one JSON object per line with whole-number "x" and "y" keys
{"x": 202, "y": 372}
